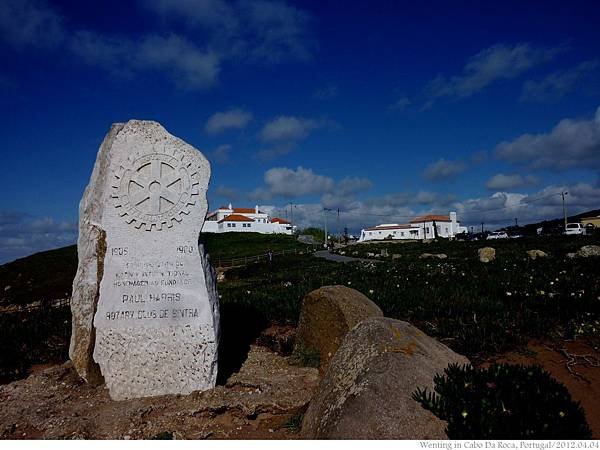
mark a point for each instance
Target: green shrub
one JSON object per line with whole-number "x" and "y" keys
{"x": 294, "y": 423}
{"x": 163, "y": 436}
{"x": 504, "y": 402}
{"x": 305, "y": 357}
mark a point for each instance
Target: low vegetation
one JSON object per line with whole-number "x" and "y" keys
{"x": 477, "y": 309}
{"x": 227, "y": 246}
{"x": 504, "y": 402}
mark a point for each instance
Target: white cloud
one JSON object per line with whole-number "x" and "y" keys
{"x": 257, "y": 30}
{"x": 400, "y": 105}
{"x": 289, "y": 183}
{"x": 326, "y": 93}
{"x": 486, "y": 67}
{"x": 233, "y": 119}
{"x": 496, "y": 210}
{"x": 188, "y": 66}
{"x": 573, "y": 143}
{"x": 204, "y": 13}
{"x": 288, "y": 128}
{"x": 253, "y": 31}
{"x": 501, "y": 208}
{"x": 502, "y": 182}
{"x": 443, "y": 169}
{"x": 22, "y": 235}
{"x": 282, "y": 134}
{"x": 29, "y": 23}
{"x": 221, "y": 154}
{"x": 558, "y": 84}
{"x": 352, "y": 185}
{"x": 227, "y": 192}
{"x": 343, "y": 195}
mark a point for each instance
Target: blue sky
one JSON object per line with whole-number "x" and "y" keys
{"x": 382, "y": 109}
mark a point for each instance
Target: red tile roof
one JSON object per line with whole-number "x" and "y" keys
{"x": 241, "y": 210}
{"x": 244, "y": 210}
{"x": 431, "y": 218}
{"x": 279, "y": 220}
{"x": 236, "y": 218}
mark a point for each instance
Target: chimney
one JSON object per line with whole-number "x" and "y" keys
{"x": 453, "y": 217}
{"x": 256, "y": 209}
{"x": 230, "y": 206}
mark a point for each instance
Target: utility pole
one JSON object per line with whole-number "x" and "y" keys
{"x": 325, "y": 214}
{"x": 564, "y": 209}
{"x": 338, "y": 225}
{"x": 516, "y": 222}
{"x": 292, "y": 214}
{"x": 481, "y": 227}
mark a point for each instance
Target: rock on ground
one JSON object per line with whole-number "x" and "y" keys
{"x": 433, "y": 256}
{"x": 327, "y": 314}
{"x": 533, "y": 254}
{"x": 367, "y": 391}
{"x": 486, "y": 254}
{"x": 589, "y": 250}
{"x": 257, "y": 402}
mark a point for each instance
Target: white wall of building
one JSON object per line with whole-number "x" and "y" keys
{"x": 261, "y": 223}
{"x": 415, "y": 230}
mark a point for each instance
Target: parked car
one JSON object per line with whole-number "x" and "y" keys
{"x": 575, "y": 228}
{"x": 497, "y": 235}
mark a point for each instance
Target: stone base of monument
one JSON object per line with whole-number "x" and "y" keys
{"x": 262, "y": 400}
{"x": 145, "y": 305}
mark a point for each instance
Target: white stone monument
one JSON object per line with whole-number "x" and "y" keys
{"x": 145, "y": 306}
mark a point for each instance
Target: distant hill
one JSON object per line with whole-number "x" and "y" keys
{"x": 44, "y": 276}
{"x": 48, "y": 276}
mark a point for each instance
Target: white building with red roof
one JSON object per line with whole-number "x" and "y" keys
{"x": 249, "y": 220}
{"x": 421, "y": 227}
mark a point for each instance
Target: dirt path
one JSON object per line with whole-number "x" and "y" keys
{"x": 326, "y": 254}
{"x": 261, "y": 401}
{"x": 583, "y": 381}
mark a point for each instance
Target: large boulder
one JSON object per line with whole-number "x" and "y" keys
{"x": 486, "y": 254}
{"x": 534, "y": 254}
{"x": 328, "y": 313}
{"x": 367, "y": 390}
{"x": 589, "y": 250}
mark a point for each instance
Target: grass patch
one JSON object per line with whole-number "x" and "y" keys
{"x": 226, "y": 246}
{"x": 477, "y": 309}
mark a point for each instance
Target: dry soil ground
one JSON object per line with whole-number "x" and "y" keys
{"x": 259, "y": 402}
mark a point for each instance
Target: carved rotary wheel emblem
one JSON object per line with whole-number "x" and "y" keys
{"x": 156, "y": 190}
